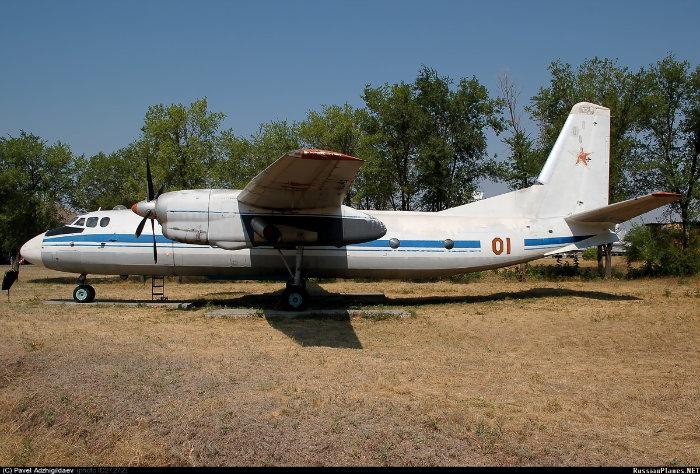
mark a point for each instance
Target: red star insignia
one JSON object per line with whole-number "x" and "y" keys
{"x": 582, "y": 157}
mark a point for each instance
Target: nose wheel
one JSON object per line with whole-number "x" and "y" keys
{"x": 83, "y": 293}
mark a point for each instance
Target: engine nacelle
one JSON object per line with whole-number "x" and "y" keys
{"x": 184, "y": 215}
{"x": 216, "y": 217}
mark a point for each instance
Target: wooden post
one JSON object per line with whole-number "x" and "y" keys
{"x": 608, "y": 261}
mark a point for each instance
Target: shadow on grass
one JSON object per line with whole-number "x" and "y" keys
{"x": 532, "y": 293}
{"x": 326, "y": 300}
{"x": 336, "y": 331}
{"x": 73, "y": 280}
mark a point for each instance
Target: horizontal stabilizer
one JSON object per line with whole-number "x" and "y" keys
{"x": 600, "y": 239}
{"x": 625, "y": 210}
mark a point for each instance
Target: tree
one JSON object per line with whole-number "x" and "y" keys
{"x": 430, "y": 136}
{"x": 395, "y": 119}
{"x": 604, "y": 82}
{"x": 523, "y": 163}
{"x": 452, "y": 154}
{"x": 335, "y": 127}
{"x": 243, "y": 158}
{"x": 235, "y": 168}
{"x": 182, "y": 141}
{"x": 667, "y": 157}
{"x": 108, "y": 180}
{"x": 343, "y": 129}
{"x": 34, "y": 183}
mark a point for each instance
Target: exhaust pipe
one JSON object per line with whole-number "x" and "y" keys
{"x": 266, "y": 231}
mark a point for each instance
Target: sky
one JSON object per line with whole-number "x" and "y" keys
{"x": 85, "y": 72}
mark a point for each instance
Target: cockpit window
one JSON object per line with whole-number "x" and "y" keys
{"x": 104, "y": 222}
{"x": 91, "y": 222}
{"x": 80, "y": 221}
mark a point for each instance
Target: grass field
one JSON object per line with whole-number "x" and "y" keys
{"x": 490, "y": 372}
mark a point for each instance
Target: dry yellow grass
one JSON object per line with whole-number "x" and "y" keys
{"x": 491, "y": 372}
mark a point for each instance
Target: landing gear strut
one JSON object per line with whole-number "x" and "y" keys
{"x": 83, "y": 293}
{"x": 295, "y": 297}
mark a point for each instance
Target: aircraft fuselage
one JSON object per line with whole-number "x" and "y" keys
{"x": 415, "y": 245}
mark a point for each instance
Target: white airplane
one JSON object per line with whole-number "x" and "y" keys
{"x": 289, "y": 221}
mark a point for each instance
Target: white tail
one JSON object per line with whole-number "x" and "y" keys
{"x": 574, "y": 178}
{"x": 576, "y": 174}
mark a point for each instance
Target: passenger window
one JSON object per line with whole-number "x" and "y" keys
{"x": 80, "y": 221}
{"x": 104, "y": 222}
{"x": 91, "y": 222}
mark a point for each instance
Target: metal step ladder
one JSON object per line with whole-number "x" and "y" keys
{"x": 158, "y": 288}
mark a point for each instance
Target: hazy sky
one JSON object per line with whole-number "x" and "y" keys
{"x": 85, "y": 72}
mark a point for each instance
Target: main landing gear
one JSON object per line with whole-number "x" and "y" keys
{"x": 83, "y": 293}
{"x": 295, "y": 297}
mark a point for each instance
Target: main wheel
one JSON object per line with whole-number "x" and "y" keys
{"x": 84, "y": 294}
{"x": 295, "y": 298}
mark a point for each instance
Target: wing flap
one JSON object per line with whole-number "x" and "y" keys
{"x": 625, "y": 210}
{"x": 303, "y": 179}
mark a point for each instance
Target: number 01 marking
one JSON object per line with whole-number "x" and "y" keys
{"x": 497, "y": 246}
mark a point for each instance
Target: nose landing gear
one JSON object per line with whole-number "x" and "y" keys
{"x": 83, "y": 293}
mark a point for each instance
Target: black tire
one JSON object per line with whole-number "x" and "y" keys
{"x": 84, "y": 294}
{"x": 295, "y": 298}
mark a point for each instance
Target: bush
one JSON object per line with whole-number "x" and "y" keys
{"x": 661, "y": 253}
{"x": 466, "y": 277}
{"x": 591, "y": 253}
{"x": 563, "y": 270}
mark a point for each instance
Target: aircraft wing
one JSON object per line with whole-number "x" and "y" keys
{"x": 625, "y": 210}
{"x": 302, "y": 179}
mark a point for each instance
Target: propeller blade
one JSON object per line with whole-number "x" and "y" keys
{"x": 149, "y": 180}
{"x": 155, "y": 251}
{"x": 139, "y": 229}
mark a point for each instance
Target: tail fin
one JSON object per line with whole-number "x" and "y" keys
{"x": 575, "y": 176}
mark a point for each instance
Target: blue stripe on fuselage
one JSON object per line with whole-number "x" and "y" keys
{"x": 128, "y": 238}
{"x": 555, "y": 240}
{"x": 147, "y": 239}
{"x": 430, "y": 244}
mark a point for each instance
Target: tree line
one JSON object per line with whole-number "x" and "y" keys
{"x": 424, "y": 144}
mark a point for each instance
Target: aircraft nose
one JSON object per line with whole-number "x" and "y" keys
{"x": 31, "y": 250}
